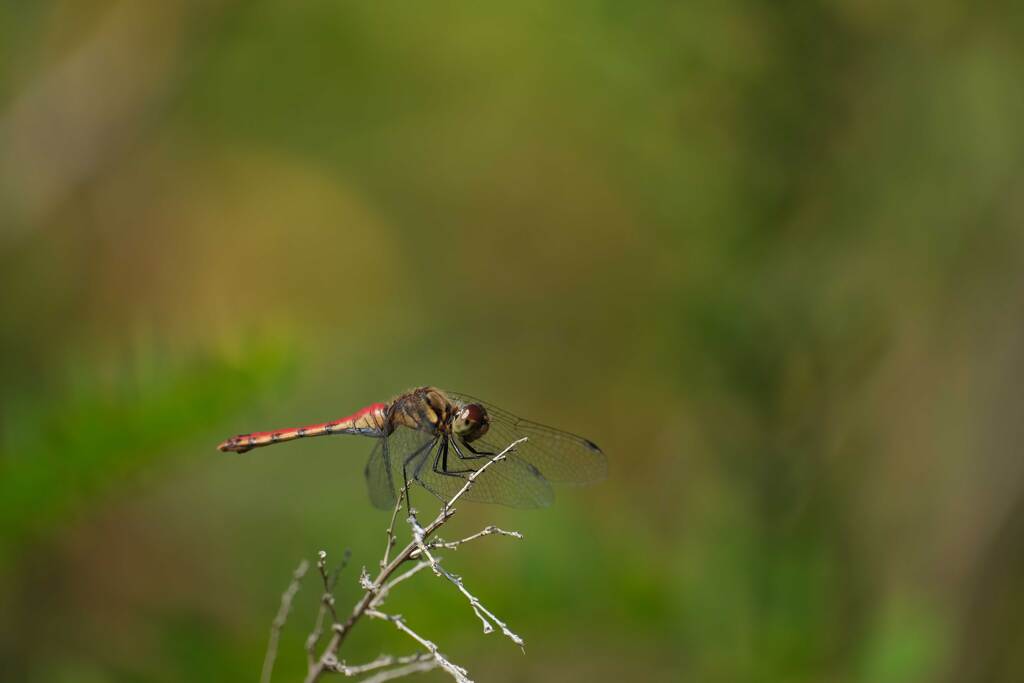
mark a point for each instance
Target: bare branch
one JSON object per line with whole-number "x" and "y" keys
{"x": 381, "y": 662}
{"x": 418, "y": 537}
{"x": 331, "y": 581}
{"x": 454, "y": 545}
{"x": 391, "y": 529}
{"x": 377, "y": 589}
{"x": 401, "y": 671}
{"x": 326, "y": 601}
{"x": 457, "y": 672}
{"x": 484, "y": 614}
{"x": 382, "y": 594}
{"x": 280, "y": 619}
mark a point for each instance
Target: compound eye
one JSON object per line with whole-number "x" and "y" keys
{"x": 472, "y": 422}
{"x": 474, "y": 413}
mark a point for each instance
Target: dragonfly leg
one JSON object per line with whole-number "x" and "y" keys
{"x": 405, "y": 487}
{"x": 442, "y": 460}
{"x": 405, "y": 466}
{"x": 419, "y": 468}
{"x": 476, "y": 454}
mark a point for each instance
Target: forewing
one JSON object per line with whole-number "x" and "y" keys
{"x": 560, "y": 456}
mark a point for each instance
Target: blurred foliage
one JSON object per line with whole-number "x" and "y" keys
{"x": 63, "y": 450}
{"x": 767, "y": 255}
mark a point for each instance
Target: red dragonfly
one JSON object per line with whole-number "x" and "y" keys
{"x": 437, "y": 438}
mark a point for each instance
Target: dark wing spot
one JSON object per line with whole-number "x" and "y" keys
{"x": 591, "y": 445}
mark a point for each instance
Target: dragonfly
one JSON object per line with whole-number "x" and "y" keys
{"x": 436, "y": 439}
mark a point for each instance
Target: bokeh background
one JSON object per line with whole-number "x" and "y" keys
{"x": 769, "y": 255}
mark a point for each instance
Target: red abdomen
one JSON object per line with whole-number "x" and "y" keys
{"x": 370, "y": 421}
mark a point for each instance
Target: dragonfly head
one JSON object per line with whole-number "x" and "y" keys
{"x": 471, "y": 422}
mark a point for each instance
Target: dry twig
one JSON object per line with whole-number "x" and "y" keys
{"x": 326, "y": 601}
{"x": 376, "y": 591}
{"x": 280, "y": 619}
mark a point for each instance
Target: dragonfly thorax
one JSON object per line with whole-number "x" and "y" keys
{"x": 471, "y": 422}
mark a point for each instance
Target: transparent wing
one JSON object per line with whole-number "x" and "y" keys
{"x": 559, "y": 456}
{"x": 379, "y": 480}
{"x": 512, "y": 481}
{"x": 384, "y": 468}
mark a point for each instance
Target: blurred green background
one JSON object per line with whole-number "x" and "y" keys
{"x": 768, "y": 255}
